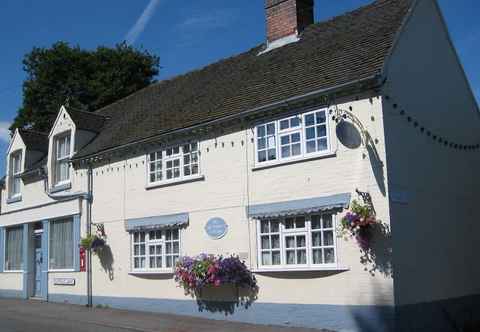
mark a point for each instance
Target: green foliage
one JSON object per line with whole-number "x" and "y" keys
{"x": 363, "y": 210}
{"x": 89, "y": 79}
{"x": 87, "y": 241}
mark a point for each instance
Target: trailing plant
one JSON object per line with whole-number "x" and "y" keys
{"x": 93, "y": 242}
{"x": 357, "y": 223}
{"x": 195, "y": 273}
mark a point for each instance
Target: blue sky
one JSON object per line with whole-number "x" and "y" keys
{"x": 185, "y": 34}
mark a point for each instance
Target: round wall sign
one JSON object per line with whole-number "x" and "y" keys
{"x": 216, "y": 228}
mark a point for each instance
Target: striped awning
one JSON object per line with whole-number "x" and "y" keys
{"x": 301, "y": 206}
{"x": 158, "y": 222}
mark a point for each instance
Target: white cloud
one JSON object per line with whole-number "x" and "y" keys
{"x": 142, "y": 22}
{"x": 4, "y": 132}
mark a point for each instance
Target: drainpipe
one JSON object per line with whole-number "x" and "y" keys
{"x": 89, "y": 232}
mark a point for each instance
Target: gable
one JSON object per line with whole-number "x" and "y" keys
{"x": 424, "y": 68}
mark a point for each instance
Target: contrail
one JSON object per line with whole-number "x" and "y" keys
{"x": 142, "y": 22}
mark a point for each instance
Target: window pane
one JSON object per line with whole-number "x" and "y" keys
{"x": 301, "y": 242}
{"x": 322, "y": 144}
{"x": 300, "y": 222}
{"x": 309, "y": 120}
{"x": 316, "y": 239}
{"x": 13, "y": 249}
{"x": 329, "y": 255}
{"x": 262, "y": 143}
{"x": 327, "y": 221}
{"x": 296, "y": 137}
{"x": 295, "y": 122}
{"x": 262, "y": 156}
{"x": 290, "y": 257}
{"x": 276, "y": 258}
{"x": 321, "y": 131}
{"x": 265, "y": 242}
{"x": 175, "y": 234}
{"x": 290, "y": 241}
{"x": 266, "y": 258}
{"x": 176, "y": 248}
{"x": 320, "y": 117}
{"x": 285, "y": 139}
{"x": 317, "y": 256}
{"x": 61, "y": 244}
{"x": 169, "y": 261}
{"x": 328, "y": 238}
{"x": 289, "y": 223}
{"x": 315, "y": 222}
{"x": 261, "y": 131}
{"x": 302, "y": 257}
{"x": 285, "y": 151}
{"x": 271, "y": 129}
{"x": 274, "y": 226}
{"x": 264, "y": 226}
{"x": 272, "y": 154}
{"x": 284, "y": 124}
{"x": 311, "y": 147}
{"x": 275, "y": 241}
{"x": 168, "y": 248}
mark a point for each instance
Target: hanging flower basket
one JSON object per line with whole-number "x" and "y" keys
{"x": 357, "y": 223}
{"x": 93, "y": 242}
{"x": 196, "y": 273}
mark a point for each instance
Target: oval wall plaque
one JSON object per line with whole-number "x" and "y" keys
{"x": 216, "y": 228}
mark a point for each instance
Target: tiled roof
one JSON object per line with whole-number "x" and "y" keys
{"x": 344, "y": 49}
{"x": 87, "y": 120}
{"x": 34, "y": 140}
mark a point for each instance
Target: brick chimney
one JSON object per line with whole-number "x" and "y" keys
{"x": 286, "y": 18}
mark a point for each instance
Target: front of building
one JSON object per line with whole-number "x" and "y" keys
{"x": 262, "y": 163}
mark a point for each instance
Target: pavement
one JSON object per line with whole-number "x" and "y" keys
{"x": 36, "y": 316}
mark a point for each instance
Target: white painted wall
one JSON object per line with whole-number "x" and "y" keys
{"x": 229, "y": 185}
{"x": 435, "y": 234}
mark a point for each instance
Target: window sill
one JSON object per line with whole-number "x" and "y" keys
{"x": 13, "y": 271}
{"x": 174, "y": 182}
{"x": 301, "y": 269}
{"x": 258, "y": 166}
{"x": 14, "y": 199}
{"x": 63, "y": 271}
{"x": 61, "y": 187}
{"x": 167, "y": 272}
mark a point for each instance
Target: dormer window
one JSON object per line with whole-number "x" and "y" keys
{"x": 15, "y": 174}
{"x": 62, "y": 156}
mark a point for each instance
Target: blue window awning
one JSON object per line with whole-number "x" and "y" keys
{"x": 301, "y": 206}
{"x": 158, "y": 222}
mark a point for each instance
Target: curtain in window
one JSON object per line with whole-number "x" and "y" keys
{"x": 61, "y": 245}
{"x": 13, "y": 249}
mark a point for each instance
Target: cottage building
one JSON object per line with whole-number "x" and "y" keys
{"x": 261, "y": 155}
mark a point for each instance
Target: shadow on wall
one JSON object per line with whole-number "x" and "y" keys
{"x": 106, "y": 260}
{"x": 225, "y": 299}
{"x": 377, "y": 257}
{"x": 350, "y": 136}
{"x": 376, "y": 318}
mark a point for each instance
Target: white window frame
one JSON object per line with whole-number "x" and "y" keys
{"x": 308, "y": 232}
{"x": 61, "y": 159}
{"x": 165, "y": 159}
{"x": 154, "y": 242}
{"x": 301, "y": 129}
{"x": 15, "y": 174}
{"x": 5, "y": 250}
